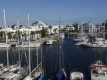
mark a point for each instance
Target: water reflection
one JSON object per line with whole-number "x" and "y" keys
{"x": 74, "y": 56}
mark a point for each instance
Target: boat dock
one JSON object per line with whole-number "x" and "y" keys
{"x": 36, "y": 42}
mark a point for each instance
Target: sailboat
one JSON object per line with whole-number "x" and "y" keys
{"x": 4, "y": 45}
{"x": 22, "y": 43}
{"x": 15, "y": 73}
{"x": 7, "y": 67}
{"x": 36, "y": 72}
{"x": 76, "y": 74}
{"x": 61, "y": 74}
{"x": 43, "y": 76}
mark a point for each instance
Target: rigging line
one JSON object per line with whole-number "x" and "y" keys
{"x": 57, "y": 54}
{"x": 36, "y": 56}
{"x": 21, "y": 56}
{"x": 62, "y": 56}
{"x": 41, "y": 54}
{"x": 60, "y": 41}
{"x": 54, "y": 66}
{"x": 44, "y": 62}
{"x": 26, "y": 57}
{"x": 52, "y": 63}
{"x": 19, "y": 60}
{"x": 106, "y": 59}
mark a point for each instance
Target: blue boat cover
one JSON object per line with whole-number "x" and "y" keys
{"x": 43, "y": 77}
{"x": 60, "y": 75}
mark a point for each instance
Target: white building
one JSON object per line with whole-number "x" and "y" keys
{"x": 88, "y": 27}
{"x": 35, "y": 27}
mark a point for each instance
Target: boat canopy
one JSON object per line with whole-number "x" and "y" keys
{"x": 43, "y": 77}
{"x": 60, "y": 75}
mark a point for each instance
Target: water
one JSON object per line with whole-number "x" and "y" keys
{"x": 74, "y": 57}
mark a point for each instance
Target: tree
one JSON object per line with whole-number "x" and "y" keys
{"x": 18, "y": 33}
{"x": 38, "y": 33}
{"x": 32, "y": 34}
{"x": 9, "y": 35}
{"x": 76, "y": 26}
{"x": 24, "y": 35}
{"x": 103, "y": 24}
{"x": 50, "y": 27}
{"x": 43, "y": 32}
{"x": 0, "y": 27}
{"x": 2, "y": 34}
{"x": 55, "y": 30}
{"x": 12, "y": 26}
{"x": 21, "y": 26}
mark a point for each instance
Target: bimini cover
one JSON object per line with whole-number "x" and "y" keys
{"x": 60, "y": 75}
{"x": 43, "y": 77}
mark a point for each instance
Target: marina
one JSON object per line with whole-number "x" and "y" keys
{"x": 74, "y": 57}
{"x": 53, "y": 40}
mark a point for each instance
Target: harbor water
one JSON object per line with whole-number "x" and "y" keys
{"x": 72, "y": 57}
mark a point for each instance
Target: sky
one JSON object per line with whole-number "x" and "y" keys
{"x": 47, "y": 11}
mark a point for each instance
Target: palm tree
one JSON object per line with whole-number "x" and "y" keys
{"x": 13, "y": 26}
{"x": 2, "y": 34}
{"x": 55, "y": 31}
{"x": 18, "y": 33}
{"x": 50, "y": 27}
{"x": 32, "y": 34}
{"x": 43, "y": 32}
{"x": 24, "y": 35}
{"x": 9, "y": 34}
{"x": 37, "y": 33}
{"x": 20, "y": 26}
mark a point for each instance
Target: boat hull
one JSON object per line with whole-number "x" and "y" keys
{"x": 92, "y": 45}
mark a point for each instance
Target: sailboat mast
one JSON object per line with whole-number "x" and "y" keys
{"x": 29, "y": 47}
{"x": 59, "y": 22}
{"x": 6, "y": 35}
{"x": 60, "y": 38}
{"x": 17, "y": 28}
{"x": 5, "y": 24}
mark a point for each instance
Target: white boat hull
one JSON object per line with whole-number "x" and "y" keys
{"x": 76, "y": 76}
{"x": 49, "y": 42}
{"x": 90, "y": 45}
{"x": 34, "y": 74}
{"x": 3, "y": 45}
{"x": 26, "y": 46}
